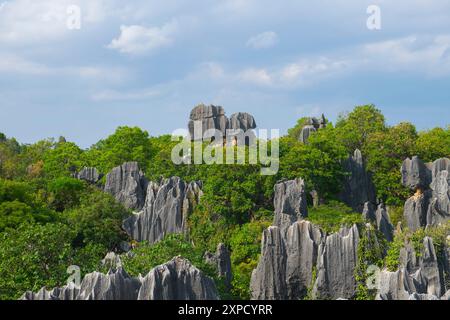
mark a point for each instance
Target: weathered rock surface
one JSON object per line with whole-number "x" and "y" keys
{"x": 210, "y": 117}
{"x": 306, "y": 132}
{"x": 358, "y": 186}
{"x": 336, "y": 265}
{"x": 420, "y": 276}
{"x": 174, "y": 280}
{"x": 242, "y": 121}
{"x": 268, "y": 280}
{"x": 430, "y": 205}
{"x": 91, "y": 175}
{"x": 165, "y": 211}
{"x": 311, "y": 125}
{"x": 128, "y": 185}
{"x": 415, "y": 174}
{"x": 380, "y": 218}
{"x": 177, "y": 280}
{"x": 289, "y": 202}
{"x": 222, "y": 260}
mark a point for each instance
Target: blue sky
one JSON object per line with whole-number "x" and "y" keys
{"x": 147, "y": 63}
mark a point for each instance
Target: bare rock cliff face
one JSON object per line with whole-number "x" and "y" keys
{"x": 177, "y": 279}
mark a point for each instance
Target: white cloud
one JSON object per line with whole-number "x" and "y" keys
{"x": 255, "y": 76}
{"x": 263, "y": 40}
{"x": 138, "y": 40}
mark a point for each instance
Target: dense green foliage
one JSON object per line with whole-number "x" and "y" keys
{"x": 49, "y": 220}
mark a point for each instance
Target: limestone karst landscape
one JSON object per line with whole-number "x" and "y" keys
{"x": 299, "y": 256}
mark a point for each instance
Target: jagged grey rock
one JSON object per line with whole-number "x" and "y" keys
{"x": 415, "y": 174}
{"x": 222, "y": 260}
{"x": 431, "y": 204}
{"x": 383, "y": 222}
{"x": 177, "y": 279}
{"x": 210, "y": 117}
{"x": 306, "y": 132}
{"x": 380, "y": 218}
{"x": 268, "y": 281}
{"x": 358, "y": 186}
{"x": 112, "y": 261}
{"x": 289, "y": 202}
{"x": 336, "y": 265}
{"x": 285, "y": 269}
{"x": 416, "y": 210}
{"x": 128, "y": 185}
{"x": 439, "y": 209}
{"x": 89, "y": 174}
{"x": 302, "y": 246}
{"x": 242, "y": 121}
{"x": 394, "y": 285}
{"x": 167, "y": 206}
{"x": 423, "y": 297}
{"x": 419, "y": 274}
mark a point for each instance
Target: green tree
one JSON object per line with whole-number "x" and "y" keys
{"x": 434, "y": 144}
{"x": 98, "y": 219}
{"x": 354, "y": 129}
{"x": 126, "y": 144}
{"x": 34, "y": 256}
{"x": 385, "y": 152}
{"x": 63, "y": 160}
{"x": 65, "y": 192}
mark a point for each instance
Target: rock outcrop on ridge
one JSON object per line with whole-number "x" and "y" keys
{"x": 311, "y": 125}
{"x": 213, "y": 117}
{"x": 165, "y": 210}
{"x": 89, "y": 174}
{"x": 177, "y": 279}
{"x": 430, "y": 204}
{"x": 420, "y": 276}
{"x": 358, "y": 186}
{"x": 128, "y": 185}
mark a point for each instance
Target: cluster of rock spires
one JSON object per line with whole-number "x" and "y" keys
{"x": 311, "y": 126}
{"x": 430, "y": 204}
{"x": 161, "y": 208}
{"x": 293, "y": 249}
{"x": 222, "y": 261}
{"x": 421, "y": 275}
{"x": 177, "y": 279}
{"x": 213, "y": 117}
{"x": 299, "y": 259}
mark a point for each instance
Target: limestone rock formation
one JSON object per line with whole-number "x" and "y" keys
{"x": 221, "y": 259}
{"x": 210, "y": 117}
{"x": 430, "y": 205}
{"x": 268, "y": 280}
{"x": 311, "y": 125}
{"x": 336, "y": 265}
{"x": 285, "y": 269}
{"x": 306, "y": 132}
{"x": 358, "y": 186}
{"x": 128, "y": 185}
{"x": 380, "y": 218}
{"x": 242, "y": 121}
{"x": 415, "y": 174}
{"x": 420, "y": 274}
{"x": 177, "y": 279}
{"x": 165, "y": 211}
{"x": 289, "y": 202}
{"x": 91, "y": 175}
